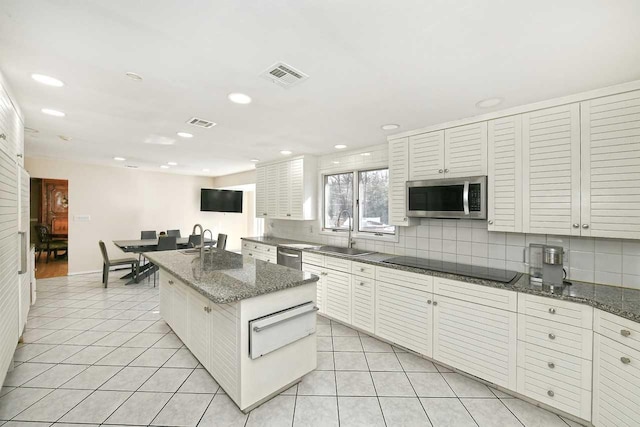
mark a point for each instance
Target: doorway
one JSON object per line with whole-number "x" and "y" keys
{"x": 50, "y": 226}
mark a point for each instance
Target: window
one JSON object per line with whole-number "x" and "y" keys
{"x": 371, "y": 208}
{"x": 338, "y": 197}
{"x": 373, "y": 212}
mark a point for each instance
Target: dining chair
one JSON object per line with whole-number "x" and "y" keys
{"x": 222, "y": 241}
{"x": 194, "y": 240}
{"x": 175, "y": 233}
{"x": 151, "y": 234}
{"x": 108, "y": 263}
{"x": 167, "y": 243}
{"x": 45, "y": 243}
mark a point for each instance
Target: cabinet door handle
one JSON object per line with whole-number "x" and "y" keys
{"x": 440, "y": 171}
{"x": 265, "y": 214}
{"x": 288, "y": 214}
{"x": 552, "y": 310}
{"x": 551, "y": 393}
{"x": 3, "y": 136}
{"x": 435, "y": 303}
{"x": 428, "y": 301}
{"x": 576, "y": 225}
{"x": 625, "y": 333}
{"x": 490, "y": 222}
{"x": 446, "y": 171}
{"x": 361, "y": 283}
{"x": 551, "y": 365}
{"x": 361, "y": 269}
{"x": 585, "y": 226}
{"x": 170, "y": 282}
{"x": 552, "y": 336}
{"x": 625, "y": 360}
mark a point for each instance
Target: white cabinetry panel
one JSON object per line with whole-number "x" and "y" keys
{"x": 261, "y": 192}
{"x": 272, "y": 192}
{"x": 296, "y": 189}
{"x": 426, "y": 156}
{"x": 478, "y": 294}
{"x": 363, "y": 303}
{"x": 479, "y": 340}
{"x": 551, "y": 170}
{"x": 199, "y": 323}
{"x": 338, "y": 295}
{"x": 398, "y": 177}
{"x": 284, "y": 189}
{"x": 505, "y": 174}
{"x": 465, "y": 150}
{"x": 611, "y": 166}
{"x": 321, "y": 285}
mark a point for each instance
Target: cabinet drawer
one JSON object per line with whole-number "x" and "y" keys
{"x": 339, "y": 264}
{"x": 616, "y": 384}
{"x": 363, "y": 303}
{"x": 556, "y": 310}
{"x": 556, "y": 336}
{"x": 614, "y": 327}
{"x": 420, "y": 282}
{"x": 551, "y": 391}
{"x": 485, "y": 295}
{"x": 363, "y": 270}
{"x": 573, "y": 371}
{"x": 311, "y": 258}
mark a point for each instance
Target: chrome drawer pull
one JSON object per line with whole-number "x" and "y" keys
{"x": 435, "y": 303}
{"x": 552, "y": 310}
{"x": 625, "y": 360}
{"x": 361, "y": 283}
{"x": 428, "y": 301}
{"x": 551, "y": 393}
{"x": 361, "y": 269}
{"x": 625, "y": 333}
{"x": 551, "y": 365}
{"x": 552, "y": 336}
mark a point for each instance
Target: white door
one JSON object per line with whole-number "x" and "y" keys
{"x": 363, "y": 303}
{"x": 284, "y": 190}
{"x": 426, "y": 156}
{"x": 338, "y": 295}
{"x": 261, "y": 192}
{"x": 505, "y": 174}
{"x": 398, "y": 177}
{"x": 611, "y": 166}
{"x": 296, "y": 189}
{"x": 199, "y": 318}
{"x": 465, "y": 150}
{"x": 166, "y": 298}
{"x": 551, "y": 170}
{"x": 477, "y": 339}
{"x": 272, "y": 191}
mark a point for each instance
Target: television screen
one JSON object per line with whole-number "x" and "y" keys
{"x": 220, "y": 200}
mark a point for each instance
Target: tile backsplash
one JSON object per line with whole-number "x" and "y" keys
{"x": 607, "y": 261}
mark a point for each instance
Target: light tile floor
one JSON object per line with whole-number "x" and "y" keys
{"x": 93, "y": 356}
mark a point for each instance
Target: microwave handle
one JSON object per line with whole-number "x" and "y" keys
{"x": 465, "y": 198}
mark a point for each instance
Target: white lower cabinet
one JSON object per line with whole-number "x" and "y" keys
{"x": 198, "y": 311}
{"x": 166, "y": 298}
{"x": 266, "y": 253}
{"x": 179, "y": 310}
{"x": 363, "y": 303}
{"x": 338, "y": 295}
{"x": 478, "y": 339}
{"x": 321, "y": 285}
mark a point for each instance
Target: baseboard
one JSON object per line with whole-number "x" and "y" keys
{"x": 79, "y": 273}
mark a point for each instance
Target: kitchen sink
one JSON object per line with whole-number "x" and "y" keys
{"x": 344, "y": 251}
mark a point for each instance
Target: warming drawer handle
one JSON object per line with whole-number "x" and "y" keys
{"x": 258, "y": 328}
{"x": 289, "y": 255}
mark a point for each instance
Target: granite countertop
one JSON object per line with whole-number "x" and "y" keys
{"x": 226, "y": 277}
{"x": 623, "y": 302}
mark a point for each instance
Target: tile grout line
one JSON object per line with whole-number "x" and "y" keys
{"x": 414, "y": 389}
{"x": 384, "y": 420}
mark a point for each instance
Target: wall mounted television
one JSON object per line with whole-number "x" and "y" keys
{"x": 212, "y": 200}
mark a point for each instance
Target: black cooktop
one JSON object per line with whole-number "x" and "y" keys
{"x": 486, "y": 273}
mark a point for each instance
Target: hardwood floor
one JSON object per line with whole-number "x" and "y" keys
{"x": 55, "y": 267}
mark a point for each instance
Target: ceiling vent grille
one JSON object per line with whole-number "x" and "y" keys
{"x": 201, "y": 123}
{"x": 284, "y": 75}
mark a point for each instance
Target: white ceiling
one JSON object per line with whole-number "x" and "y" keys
{"x": 371, "y": 62}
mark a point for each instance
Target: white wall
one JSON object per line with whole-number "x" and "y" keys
{"x": 122, "y": 202}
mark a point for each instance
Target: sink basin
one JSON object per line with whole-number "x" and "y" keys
{"x": 344, "y": 251}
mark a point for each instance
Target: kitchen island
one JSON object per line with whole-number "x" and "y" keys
{"x": 250, "y": 323}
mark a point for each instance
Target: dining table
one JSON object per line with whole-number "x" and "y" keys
{"x": 149, "y": 245}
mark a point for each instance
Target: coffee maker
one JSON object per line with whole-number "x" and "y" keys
{"x": 546, "y": 265}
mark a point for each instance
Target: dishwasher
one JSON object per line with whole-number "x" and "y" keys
{"x": 291, "y": 258}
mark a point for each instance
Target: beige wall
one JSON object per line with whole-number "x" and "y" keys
{"x": 122, "y": 202}
{"x": 235, "y": 179}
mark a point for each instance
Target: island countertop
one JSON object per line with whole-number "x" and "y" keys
{"x": 225, "y": 277}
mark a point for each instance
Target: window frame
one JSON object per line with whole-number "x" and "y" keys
{"x": 355, "y": 208}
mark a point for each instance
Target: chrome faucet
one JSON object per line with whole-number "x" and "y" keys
{"x": 201, "y": 245}
{"x": 204, "y": 233}
{"x": 350, "y": 242}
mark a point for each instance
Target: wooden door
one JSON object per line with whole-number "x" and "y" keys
{"x": 55, "y": 205}
{"x": 426, "y": 156}
{"x": 465, "y": 150}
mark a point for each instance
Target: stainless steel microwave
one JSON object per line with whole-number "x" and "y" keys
{"x": 448, "y": 198}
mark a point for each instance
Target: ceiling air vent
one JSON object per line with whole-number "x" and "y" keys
{"x": 201, "y": 123}
{"x": 284, "y": 75}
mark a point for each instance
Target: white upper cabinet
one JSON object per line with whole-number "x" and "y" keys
{"x": 465, "y": 150}
{"x": 505, "y": 174}
{"x": 551, "y": 170}
{"x": 426, "y": 156}
{"x": 287, "y": 189}
{"x": 398, "y": 177}
{"x": 610, "y": 195}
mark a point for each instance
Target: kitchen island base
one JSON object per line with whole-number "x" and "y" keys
{"x": 219, "y": 336}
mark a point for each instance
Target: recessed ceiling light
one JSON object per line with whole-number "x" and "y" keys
{"x": 172, "y": 163}
{"x": 255, "y": 160}
{"x": 47, "y": 80}
{"x": 119, "y": 159}
{"x": 335, "y": 162}
{"x": 285, "y": 152}
{"x": 205, "y": 170}
{"x": 133, "y": 76}
{"x": 164, "y": 167}
{"x": 51, "y": 112}
{"x": 340, "y": 146}
{"x": 390, "y": 126}
{"x": 488, "y": 103}
{"x": 64, "y": 138}
{"x": 185, "y": 134}
{"x": 239, "y": 98}
{"x": 365, "y": 154}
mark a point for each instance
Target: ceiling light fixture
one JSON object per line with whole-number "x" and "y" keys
{"x": 255, "y": 160}
{"x": 239, "y": 98}
{"x": 185, "y": 134}
{"x": 119, "y": 159}
{"x": 54, "y": 113}
{"x": 164, "y": 167}
{"x": 47, "y": 80}
{"x": 365, "y": 154}
{"x": 205, "y": 170}
{"x": 390, "y": 126}
{"x": 490, "y": 102}
{"x": 172, "y": 163}
{"x": 335, "y": 162}
{"x": 133, "y": 76}
{"x": 340, "y": 146}
{"x": 285, "y": 152}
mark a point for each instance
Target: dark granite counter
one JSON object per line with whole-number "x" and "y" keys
{"x": 225, "y": 277}
{"x": 623, "y": 302}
